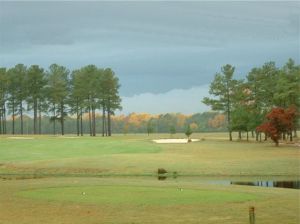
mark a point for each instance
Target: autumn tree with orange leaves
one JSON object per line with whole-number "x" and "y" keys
{"x": 279, "y": 122}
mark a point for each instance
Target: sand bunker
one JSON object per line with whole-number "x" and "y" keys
{"x": 174, "y": 141}
{"x": 21, "y": 138}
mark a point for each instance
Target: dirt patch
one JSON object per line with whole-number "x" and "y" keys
{"x": 174, "y": 141}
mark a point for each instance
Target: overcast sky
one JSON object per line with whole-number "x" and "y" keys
{"x": 165, "y": 53}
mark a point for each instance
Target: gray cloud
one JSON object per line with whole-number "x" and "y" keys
{"x": 201, "y": 23}
{"x": 153, "y": 46}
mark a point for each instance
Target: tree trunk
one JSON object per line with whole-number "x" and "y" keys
{"x": 229, "y": 115}
{"x": 230, "y": 136}
{"x": 248, "y": 136}
{"x": 105, "y": 126}
{"x": 77, "y": 123}
{"x": 295, "y": 133}
{"x": 260, "y": 136}
{"x": 291, "y": 136}
{"x": 77, "y": 117}
{"x": 240, "y": 135}
{"x": 54, "y": 120}
{"x": 21, "y": 114}
{"x": 35, "y": 116}
{"x": 81, "y": 129}
{"x": 266, "y": 137}
{"x": 90, "y": 125}
{"x": 62, "y": 118}
{"x": 13, "y": 116}
{"x": 103, "y": 120}
{"x": 108, "y": 121}
{"x": 40, "y": 120}
{"x": 4, "y": 119}
{"x": 1, "y": 120}
{"x": 94, "y": 121}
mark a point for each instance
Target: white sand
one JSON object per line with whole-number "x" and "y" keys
{"x": 20, "y": 138}
{"x": 174, "y": 141}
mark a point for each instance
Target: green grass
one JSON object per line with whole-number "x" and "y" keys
{"x": 138, "y": 155}
{"x": 135, "y": 195}
{"x": 141, "y": 200}
{"x": 51, "y": 148}
{"x": 130, "y": 193}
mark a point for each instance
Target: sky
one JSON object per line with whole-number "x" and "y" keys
{"x": 164, "y": 53}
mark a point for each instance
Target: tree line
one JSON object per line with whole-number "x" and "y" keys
{"x": 248, "y": 102}
{"x": 59, "y": 92}
{"x": 126, "y": 124}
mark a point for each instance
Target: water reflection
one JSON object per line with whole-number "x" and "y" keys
{"x": 161, "y": 177}
{"x": 281, "y": 184}
{"x": 269, "y": 183}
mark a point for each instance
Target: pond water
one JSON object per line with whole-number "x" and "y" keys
{"x": 295, "y": 184}
{"x": 269, "y": 183}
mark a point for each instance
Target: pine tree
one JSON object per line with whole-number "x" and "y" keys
{"x": 223, "y": 88}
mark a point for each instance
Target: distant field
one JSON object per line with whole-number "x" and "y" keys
{"x": 138, "y": 155}
{"x": 70, "y": 180}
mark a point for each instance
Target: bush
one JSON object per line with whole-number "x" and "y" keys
{"x": 161, "y": 171}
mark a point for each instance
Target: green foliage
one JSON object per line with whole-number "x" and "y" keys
{"x": 188, "y": 132}
{"x": 58, "y": 92}
{"x": 150, "y": 128}
{"x": 55, "y": 91}
{"x": 3, "y": 98}
{"x": 17, "y": 92}
{"x": 223, "y": 88}
{"x": 246, "y": 103}
{"x": 90, "y": 89}
{"x": 172, "y": 130}
{"x": 120, "y": 124}
{"x": 36, "y": 83}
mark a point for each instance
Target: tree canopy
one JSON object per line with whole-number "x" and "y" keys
{"x": 245, "y": 103}
{"x": 59, "y": 92}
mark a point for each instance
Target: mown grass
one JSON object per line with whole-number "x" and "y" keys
{"x": 141, "y": 200}
{"x": 135, "y": 195}
{"x": 55, "y": 194}
{"x": 138, "y": 155}
{"x": 51, "y": 148}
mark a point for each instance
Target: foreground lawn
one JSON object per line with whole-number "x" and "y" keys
{"x": 141, "y": 200}
{"x": 135, "y": 195}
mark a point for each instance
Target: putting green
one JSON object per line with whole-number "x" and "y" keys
{"x": 135, "y": 195}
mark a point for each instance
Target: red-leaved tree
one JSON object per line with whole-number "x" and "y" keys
{"x": 279, "y": 121}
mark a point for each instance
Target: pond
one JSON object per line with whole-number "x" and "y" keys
{"x": 269, "y": 183}
{"x": 293, "y": 184}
